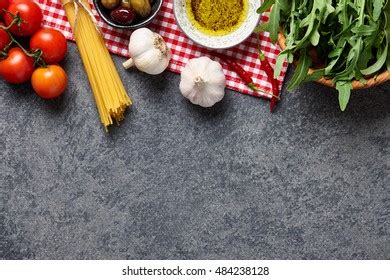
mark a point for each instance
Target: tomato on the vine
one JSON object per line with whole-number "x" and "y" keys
{"x": 49, "y": 82}
{"x": 17, "y": 67}
{"x": 51, "y": 42}
{"x": 3, "y": 6}
{"x": 4, "y": 39}
{"x": 30, "y": 14}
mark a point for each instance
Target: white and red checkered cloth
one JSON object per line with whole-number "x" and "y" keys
{"x": 245, "y": 54}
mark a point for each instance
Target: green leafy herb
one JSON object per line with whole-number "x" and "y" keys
{"x": 300, "y": 73}
{"x": 350, "y": 37}
{"x": 344, "y": 89}
{"x": 267, "y": 4}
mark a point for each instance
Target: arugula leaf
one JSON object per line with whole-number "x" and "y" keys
{"x": 279, "y": 64}
{"x": 261, "y": 28}
{"x": 386, "y": 11}
{"x": 377, "y": 65}
{"x": 344, "y": 89}
{"x": 364, "y": 30}
{"x": 378, "y": 6}
{"x": 315, "y": 76}
{"x": 300, "y": 73}
{"x": 267, "y": 4}
{"x": 274, "y": 22}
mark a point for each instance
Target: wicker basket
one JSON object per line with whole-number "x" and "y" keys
{"x": 377, "y": 80}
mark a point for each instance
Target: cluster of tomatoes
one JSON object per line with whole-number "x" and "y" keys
{"x": 29, "y": 52}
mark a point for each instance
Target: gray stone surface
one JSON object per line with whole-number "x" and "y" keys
{"x": 176, "y": 181}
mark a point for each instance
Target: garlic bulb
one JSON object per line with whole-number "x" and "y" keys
{"x": 203, "y": 81}
{"x": 148, "y": 52}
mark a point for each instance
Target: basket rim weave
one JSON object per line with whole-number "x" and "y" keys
{"x": 374, "y": 81}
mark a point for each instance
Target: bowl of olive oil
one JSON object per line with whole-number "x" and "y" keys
{"x": 217, "y": 24}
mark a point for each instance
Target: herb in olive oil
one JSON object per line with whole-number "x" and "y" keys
{"x": 217, "y": 17}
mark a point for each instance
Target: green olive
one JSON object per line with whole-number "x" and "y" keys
{"x": 110, "y": 4}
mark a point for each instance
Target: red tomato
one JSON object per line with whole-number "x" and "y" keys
{"x": 52, "y": 43}
{"x": 17, "y": 68}
{"x": 30, "y": 13}
{"x": 49, "y": 82}
{"x": 3, "y": 6}
{"x": 4, "y": 39}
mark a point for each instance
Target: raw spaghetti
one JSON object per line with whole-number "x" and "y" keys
{"x": 110, "y": 95}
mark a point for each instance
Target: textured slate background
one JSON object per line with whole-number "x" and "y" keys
{"x": 176, "y": 181}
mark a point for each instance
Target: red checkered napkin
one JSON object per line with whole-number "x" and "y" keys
{"x": 182, "y": 47}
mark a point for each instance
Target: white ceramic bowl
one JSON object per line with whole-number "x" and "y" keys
{"x": 217, "y": 42}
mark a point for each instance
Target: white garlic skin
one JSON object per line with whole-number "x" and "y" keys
{"x": 149, "y": 51}
{"x": 203, "y": 82}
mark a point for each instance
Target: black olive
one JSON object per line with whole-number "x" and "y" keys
{"x": 123, "y": 15}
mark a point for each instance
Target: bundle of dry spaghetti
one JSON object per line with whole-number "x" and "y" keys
{"x": 110, "y": 95}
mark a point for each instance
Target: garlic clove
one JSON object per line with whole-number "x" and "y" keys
{"x": 199, "y": 67}
{"x": 151, "y": 62}
{"x": 218, "y": 77}
{"x": 214, "y": 95}
{"x": 208, "y": 99}
{"x": 139, "y": 43}
{"x": 187, "y": 87}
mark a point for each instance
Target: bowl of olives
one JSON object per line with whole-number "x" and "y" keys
{"x": 129, "y": 14}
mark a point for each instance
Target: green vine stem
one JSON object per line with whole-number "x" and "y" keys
{"x": 15, "y": 20}
{"x": 36, "y": 54}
